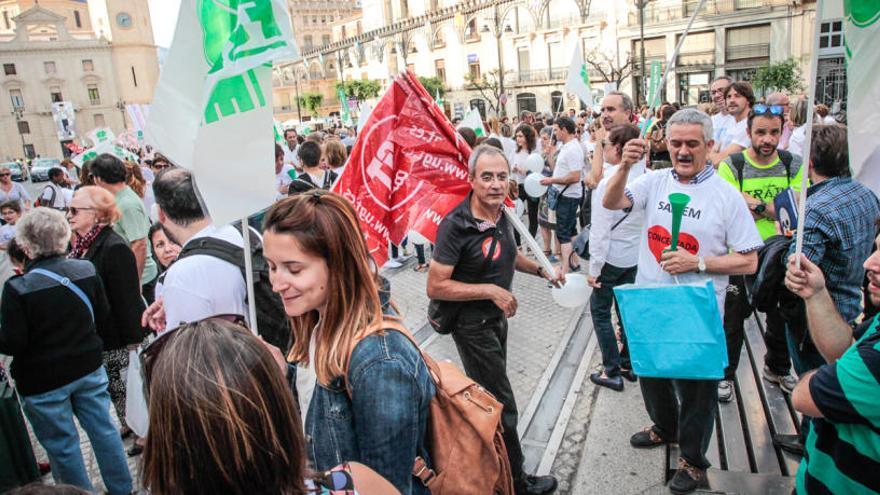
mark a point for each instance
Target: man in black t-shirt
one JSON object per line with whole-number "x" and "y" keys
{"x": 312, "y": 176}
{"x": 474, "y": 260}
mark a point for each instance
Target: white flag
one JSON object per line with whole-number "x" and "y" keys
{"x": 100, "y": 135}
{"x": 366, "y": 110}
{"x": 474, "y": 121}
{"x": 863, "y": 105}
{"x": 578, "y": 81}
{"x": 212, "y": 108}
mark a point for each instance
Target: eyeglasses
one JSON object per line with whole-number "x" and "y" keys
{"x": 5, "y": 174}
{"x": 73, "y": 210}
{"x": 153, "y": 350}
{"x": 762, "y": 109}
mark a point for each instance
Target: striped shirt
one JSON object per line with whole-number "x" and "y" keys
{"x": 842, "y": 452}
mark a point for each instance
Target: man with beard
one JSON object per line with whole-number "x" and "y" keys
{"x": 841, "y": 454}
{"x": 760, "y": 173}
{"x": 722, "y": 119}
{"x": 739, "y": 98}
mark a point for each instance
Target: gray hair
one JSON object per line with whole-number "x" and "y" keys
{"x": 43, "y": 232}
{"x": 777, "y": 97}
{"x": 692, "y": 116}
{"x": 799, "y": 112}
{"x": 628, "y": 105}
{"x": 481, "y": 150}
{"x": 723, "y": 78}
{"x": 547, "y": 131}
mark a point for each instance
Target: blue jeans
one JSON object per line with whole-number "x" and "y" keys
{"x": 600, "y": 310}
{"x": 566, "y": 218}
{"x": 803, "y": 360}
{"x": 51, "y": 416}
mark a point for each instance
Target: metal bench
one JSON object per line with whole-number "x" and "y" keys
{"x": 743, "y": 457}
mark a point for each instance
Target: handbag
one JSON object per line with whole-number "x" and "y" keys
{"x": 673, "y": 331}
{"x": 553, "y": 195}
{"x": 18, "y": 466}
{"x": 443, "y": 315}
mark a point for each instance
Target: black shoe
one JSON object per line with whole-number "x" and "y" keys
{"x": 789, "y": 443}
{"x": 535, "y": 485}
{"x": 136, "y": 449}
{"x": 612, "y": 382}
{"x": 630, "y": 375}
{"x": 646, "y": 439}
{"x": 687, "y": 478}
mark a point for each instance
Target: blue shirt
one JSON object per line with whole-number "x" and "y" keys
{"x": 839, "y": 230}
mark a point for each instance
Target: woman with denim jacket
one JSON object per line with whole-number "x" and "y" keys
{"x": 363, "y": 392}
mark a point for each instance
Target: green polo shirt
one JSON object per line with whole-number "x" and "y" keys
{"x": 133, "y": 225}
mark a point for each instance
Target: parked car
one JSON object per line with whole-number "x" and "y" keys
{"x": 40, "y": 168}
{"x": 15, "y": 168}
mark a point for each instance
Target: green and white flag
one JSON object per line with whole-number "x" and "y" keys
{"x": 578, "y": 81}
{"x": 105, "y": 146}
{"x": 212, "y": 108}
{"x": 654, "y": 81}
{"x": 279, "y": 132}
{"x": 438, "y": 99}
{"x": 863, "y": 105}
{"x": 473, "y": 120}
{"x": 345, "y": 111}
{"x": 101, "y": 135}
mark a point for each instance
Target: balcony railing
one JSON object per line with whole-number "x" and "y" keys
{"x": 665, "y": 13}
{"x": 540, "y": 75}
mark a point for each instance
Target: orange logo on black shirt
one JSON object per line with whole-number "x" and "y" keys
{"x": 486, "y": 244}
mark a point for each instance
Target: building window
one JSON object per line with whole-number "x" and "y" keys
{"x": 439, "y": 39}
{"x": 76, "y": 19}
{"x": 474, "y": 71}
{"x": 693, "y": 88}
{"x": 24, "y": 127}
{"x": 831, "y": 35}
{"x": 9, "y": 69}
{"x": 29, "y": 151}
{"x": 55, "y": 94}
{"x": 88, "y": 65}
{"x": 471, "y": 32}
{"x": 748, "y": 46}
{"x": 440, "y": 70}
{"x": 480, "y": 105}
{"x": 526, "y": 102}
{"x": 99, "y": 120}
{"x": 134, "y": 78}
{"x": 404, "y": 9}
{"x": 94, "y": 95}
{"x": 556, "y": 101}
{"x": 6, "y": 19}
{"x": 307, "y": 42}
{"x": 49, "y": 67}
{"x": 831, "y": 82}
{"x": 17, "y": 99}
{"x": 325, "y": 39}
{"x": 522, "y": 57}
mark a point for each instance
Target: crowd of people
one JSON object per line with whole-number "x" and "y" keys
{"x": 325, "y": 392}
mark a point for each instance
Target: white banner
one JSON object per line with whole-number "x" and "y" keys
{"x": 863, "y": 105}
{"x": 100, "y": 135}
{"x": 65, "y": 120}
{"x": 578, "y": 81}
{"x": 138, "y": 115}
{"x": 212, "y": 108}
{"x": 474, "y": 121}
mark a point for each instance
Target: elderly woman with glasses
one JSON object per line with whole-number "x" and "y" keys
{"x": 48, "y": 324}
{"x": 12, "y": 191}
{"x": 92, "y": 213}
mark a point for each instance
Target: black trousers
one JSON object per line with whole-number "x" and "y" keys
{"x": 482, "y": 345}
{"x": 532, "y": 210}
{"x": 683, "y": 410}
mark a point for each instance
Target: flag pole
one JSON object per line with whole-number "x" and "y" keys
{"x": 653, "y": 103}
{"x": 808, "y": 140}
{"x": 540, "y": 257}
{"x": 249, "y": 276}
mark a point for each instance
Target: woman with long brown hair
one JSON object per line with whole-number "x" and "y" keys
{"x": 222, "y": 419}
{"x": 364, "y": 391}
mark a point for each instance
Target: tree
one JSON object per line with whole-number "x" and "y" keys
{"x": 311, "y": 102}
{"x": 781, "y": 76}
{"x": 608, "y": 68}
{"x": 360, "y": 89}
{"x": 433, "y": 85}
{"x": 489, "y": 87}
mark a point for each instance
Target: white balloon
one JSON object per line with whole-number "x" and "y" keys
{"x": 519, "y": 207}
{"x": 574, "y": 293}
{"x": 533, "y": 186}
{"x": 416, "y": 238}
{"x": 534, "y": 163}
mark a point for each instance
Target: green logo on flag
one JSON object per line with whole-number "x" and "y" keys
{"x": 478, "y": 131}
{"x": 91, "y": 155}
{"x": 585, "y": 76}
{"x": 345, "y": 113}
{"x": 862, "y": 13}
{"x": 102, "y": 135}
{"x": 229, "y": 37}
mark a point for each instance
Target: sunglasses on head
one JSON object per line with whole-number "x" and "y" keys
{"x": 762, "y": 109}
{"x": 153, "y": 350}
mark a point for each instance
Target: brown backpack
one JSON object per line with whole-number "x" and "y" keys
{"x": 465, "y": 440}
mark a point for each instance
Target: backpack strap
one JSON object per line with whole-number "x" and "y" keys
{"x": 786, "y": 158}
{"x": 739, "y": 163}
{"x": 66, "y": 282}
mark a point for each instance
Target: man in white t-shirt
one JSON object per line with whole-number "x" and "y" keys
{"x": 197, "y": 286}
{"x": 566, "y": 181}
{"x": 718, "y": 238}
{"x": 740, "y": 98}
{"x": 722, "y": 119}
{"x": 284, "y": 173}
{"x": 290, "y": 156}
{"x": 617, "y": 109}
{"x": 53, "y": 195}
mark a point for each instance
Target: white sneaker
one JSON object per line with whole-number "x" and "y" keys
{"x": 392, "y": 263}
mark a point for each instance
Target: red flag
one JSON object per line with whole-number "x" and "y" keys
{"x": 407, "y": 169}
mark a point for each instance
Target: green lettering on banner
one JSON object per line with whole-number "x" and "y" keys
{"x": 585, "y": 76}
{"x": 654, "y": 90}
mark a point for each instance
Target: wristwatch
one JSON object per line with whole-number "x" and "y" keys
{"x": 701, "y": 264}
{"x": 760, "y": 208}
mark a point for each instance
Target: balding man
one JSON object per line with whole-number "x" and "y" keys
{"x": 781, "y": 99}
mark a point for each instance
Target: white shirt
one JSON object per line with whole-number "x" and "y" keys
{"x": 282, "y": 179}
{"x": 509, "y": 146}
{"x": 720, "y": 123}
{"x": 618, "y": 247}
{"x": 200, "y": 286}
{"x": 570, "y": 159}
{"x": 715, "y": 222}
{"x": 71, "y": 175}
{"x": 149, "y": 198}
{"x": 290, "y": 157}
{"x": 829, "y": 120}
{"x": 60, "y": 201}
{"x": 796, "y": 143}
{"x": 306, "y": 378}
{"x": 736, "y": 133}
{"x": 519, "y": 161}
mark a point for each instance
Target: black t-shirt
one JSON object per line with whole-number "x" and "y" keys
{"x": 464, "y": 241}
{"x": 304, "y": 182}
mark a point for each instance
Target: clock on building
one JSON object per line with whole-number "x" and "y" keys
{"x": 123, "y": 20}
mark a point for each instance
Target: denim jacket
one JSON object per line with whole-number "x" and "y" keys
{"x": 383, "y": 424}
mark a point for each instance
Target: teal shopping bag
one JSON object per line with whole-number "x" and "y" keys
{"x": 673, "y": 331}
